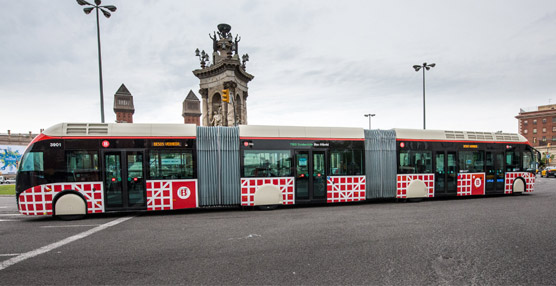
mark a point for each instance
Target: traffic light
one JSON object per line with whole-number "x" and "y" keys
{"x": 226, "y": 95}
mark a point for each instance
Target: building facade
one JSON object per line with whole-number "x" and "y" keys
{"x": 538, "y": 125}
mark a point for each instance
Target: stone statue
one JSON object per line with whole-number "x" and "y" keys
{"x": 236, "y": 46}
{"x": 217, "y": 118}
{"x": 214, "y": 42}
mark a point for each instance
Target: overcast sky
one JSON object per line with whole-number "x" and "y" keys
{"x": 316, "y": 63}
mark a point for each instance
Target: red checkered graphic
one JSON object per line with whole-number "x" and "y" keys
{"x": 159, "y": 195}
{"x": 162, "y": 195}
{"x": 471, "y": 184}
{"x": 250, "y": 185}
{"x": 38, "y": 200}
{"x": 345, "y": 189}
{"x": 405, "y": 180}
{"x": 511, "y": 176}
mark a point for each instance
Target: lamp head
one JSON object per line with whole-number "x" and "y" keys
{"x": 82, "y": 2}
{"x": 112, "y": 8}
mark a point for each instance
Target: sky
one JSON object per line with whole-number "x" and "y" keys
{"x": 316, "y": 63}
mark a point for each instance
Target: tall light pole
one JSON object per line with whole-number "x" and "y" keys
{"x": 425, "y": 66}
{"x": 369, "y": 115}
{"x": 104, "y": 9}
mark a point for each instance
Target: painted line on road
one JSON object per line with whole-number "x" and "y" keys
{"x": 9, "y": 254}
{"x": 14, "y": 214}
{"x": 71, "y": 225}
{"x": 47, "y": 248}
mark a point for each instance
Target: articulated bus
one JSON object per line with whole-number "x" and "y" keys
{"x": 74, "y": 169}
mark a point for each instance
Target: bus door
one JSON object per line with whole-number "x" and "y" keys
{"x": 124, "y": 179}
{"x": 445, "y": 175}
{"x": 494, "y": 172}
{"x": 310, "y": 175}
{"x": 440, "y": 173}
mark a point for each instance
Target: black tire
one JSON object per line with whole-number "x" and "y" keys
{"x": 70, "y": 217}
{"x": 267, "y": 208}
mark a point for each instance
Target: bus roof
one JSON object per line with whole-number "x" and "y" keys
{"x": 446, "y": 135}
{"x": 121, "y": 130}
{"x": 261, "y": 131}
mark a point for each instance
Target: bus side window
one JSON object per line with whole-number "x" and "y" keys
{"x": 513, "y": 161}
{"x": 82, "y": 166}
{"x": 170, "y": 164}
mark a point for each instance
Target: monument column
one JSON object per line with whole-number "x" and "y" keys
{"x": 227, "y": 71}
{"x": 204, "y": 112}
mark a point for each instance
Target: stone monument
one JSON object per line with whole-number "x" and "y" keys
{"x": 224, "y": 71}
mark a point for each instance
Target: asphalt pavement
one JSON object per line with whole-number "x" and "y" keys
{"x": 500, "y": 240}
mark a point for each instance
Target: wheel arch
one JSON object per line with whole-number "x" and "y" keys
{"x": 61, "y": 194}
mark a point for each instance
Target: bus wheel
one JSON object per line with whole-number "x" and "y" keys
{"x": 518, "y": 187}
{"x": 70, "y": 206}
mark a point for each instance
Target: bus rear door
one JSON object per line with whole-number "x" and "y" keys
{"x": 124, "y": 179}
{"x": 445, "y": 176}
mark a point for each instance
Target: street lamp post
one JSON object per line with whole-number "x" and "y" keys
{"x": 425, "y": 66}
{"x": 369, "y": 115}
{"x": 105, "y": 11}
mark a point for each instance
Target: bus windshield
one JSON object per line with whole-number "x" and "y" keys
{"x": 32, "y": 162}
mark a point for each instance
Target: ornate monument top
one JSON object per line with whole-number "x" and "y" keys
{"x": 224, "y": 48}
{"x": 224, "y": 29}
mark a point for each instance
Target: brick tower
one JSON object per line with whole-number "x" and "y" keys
{"x": 123, "y": 105}
{"x": 191, "y": 111}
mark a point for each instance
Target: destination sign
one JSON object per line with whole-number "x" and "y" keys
{"x": 471, "y": 146}
{"x": 167, "y": 144}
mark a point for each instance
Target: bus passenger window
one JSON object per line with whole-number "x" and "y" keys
{"x": 346, "y": 162}
{"x": 415, "y": 162}
{"x": 512, "y": 161}
{"x": 82, "y": 166}
{"x": 266, "y": 163}
{"x": 471, "y": 161}
{"x": 171, "y": 165}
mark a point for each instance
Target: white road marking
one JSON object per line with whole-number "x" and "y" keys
{"x": 9, "y": 254}
{"x": 7, "y": 220}
{"x": 71, "y": 225}
{"x": 14, "y": 214}
{"x": 52, "y": 246}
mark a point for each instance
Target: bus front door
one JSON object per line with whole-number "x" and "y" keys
{"x": 310, "y": 176}
{"x": 124, "y": 183}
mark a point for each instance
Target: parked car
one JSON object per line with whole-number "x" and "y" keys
{"x": 549, "y": 172}
{"x": 4, "y": 180}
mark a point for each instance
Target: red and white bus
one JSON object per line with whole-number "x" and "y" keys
{"x": 73, "y": 169}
